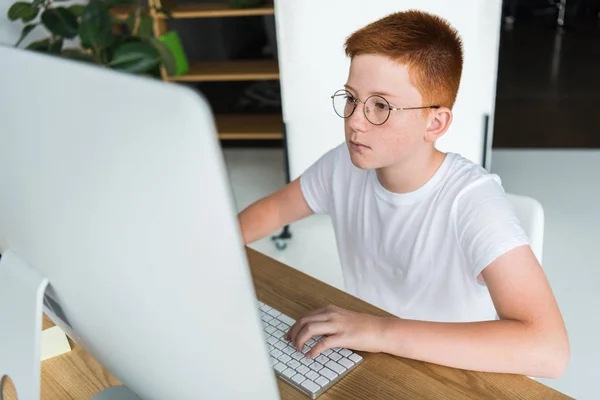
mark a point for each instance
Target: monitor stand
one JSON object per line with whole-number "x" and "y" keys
{"x": 21, "y": 300}
{"x": 116, "y": 393}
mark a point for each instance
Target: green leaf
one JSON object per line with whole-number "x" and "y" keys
{"x": 60, "y": 21}
{"x": 144, "y": 29}
{"x": 135, "y": 57}
{"x": 96, "y": 28}
{"x": 76, "y": 9}
{"x": 26, "y": 30}
{"x": 75, "y": 54}
{"x": 17, "y": 10}
{"x": 23, "y": 11}
{"x": 46, "y": 46}
{"x": 166, "y": 56}
{"x": 33, "y": 12}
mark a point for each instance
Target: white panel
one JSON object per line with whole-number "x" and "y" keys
{"x": 311, "y": 35}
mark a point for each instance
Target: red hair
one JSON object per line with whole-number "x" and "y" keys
{"x": 425, "y": 43}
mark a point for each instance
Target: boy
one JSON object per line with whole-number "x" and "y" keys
{"x": 427, "y": 236}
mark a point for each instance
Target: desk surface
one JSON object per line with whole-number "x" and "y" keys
{"x": 76, "y": 375}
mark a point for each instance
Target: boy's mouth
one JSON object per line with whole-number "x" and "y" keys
{"x": 358, "y": 145}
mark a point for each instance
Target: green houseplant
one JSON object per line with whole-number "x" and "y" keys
{"x": 125, "y": 44}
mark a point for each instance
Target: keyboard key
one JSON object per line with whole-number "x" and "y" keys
{"x": 326, "y": 352}
{"x": 280, "y": 345}
{"x": 316, "y": 366}
{"x": 310, "y": 386}
{"x": 345, "y": 352}
{"x": 298, "y": 378}
{"x": 277, "y": 333}
{"x": 345, "y": 362}
{"x": 327, "y": 373}
{"x": 335, "y": 367}
{"x": 322, "y": 381}
{"x": 312, "y": 375}
{"x": 306, "y": 361}
{"x": 274, "y": 361}
{"x": 285, "y": 358}
{"x": 272, "y": 340}
{"x": 289, "y": 372}
{"x": 322, "y": 359}
{"x": 297, "y": 356}
{"x": 265, "y": 308}
{"x": 355, "y": 357}
{"x": 305, "y": 349}
{"x": 289, "y": 350}
{"x": 282, "y": 326}
{"x": 280, "y": 367}
{"x": 303, "y": 369}
{"x": 270, "y": 329}
{"x": 285, "y": 319}
{"x": 335, "y": 356}
{"x": 310, "y": 341}
{"x": 274, "y": 322}
{"x": 266, "y": 317}
{"x": 274, "y": 312}
{"x": 293, "y": 364}
{"x": 276, "y": 353}
{"x": 336, "y": 349}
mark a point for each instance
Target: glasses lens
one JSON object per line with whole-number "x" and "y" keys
{"x": 343, "y": 103}
{"x": 377, "y": 110}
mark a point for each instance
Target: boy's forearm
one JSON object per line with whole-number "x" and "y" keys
{"x": 491, "y": 346}
{"x": 258, "y": 220}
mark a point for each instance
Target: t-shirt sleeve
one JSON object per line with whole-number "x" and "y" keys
{"x": 317, "y": 181}
{"x": 486, "y": 224}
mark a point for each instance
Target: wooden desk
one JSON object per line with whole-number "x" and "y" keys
{"x": 77, "y": 375}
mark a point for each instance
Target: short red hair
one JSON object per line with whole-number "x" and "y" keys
{"x": 427, "y": 44}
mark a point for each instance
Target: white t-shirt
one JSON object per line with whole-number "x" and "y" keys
{"x": 416, "y": 255}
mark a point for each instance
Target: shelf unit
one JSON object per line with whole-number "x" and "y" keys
{"x": 229, "y": 126}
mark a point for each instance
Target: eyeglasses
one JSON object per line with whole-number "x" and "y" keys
{"x": 376, "y": 108}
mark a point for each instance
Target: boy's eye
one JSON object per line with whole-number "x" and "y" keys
{"x": 380, "y": 106}
{"x": 350, "y": 99}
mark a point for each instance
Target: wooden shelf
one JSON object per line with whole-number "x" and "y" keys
{"x": 249, "y": 127}
{"x": 213, "y": 10}
{"x": 210, "y": 71}
{"x": 201, "y": 10}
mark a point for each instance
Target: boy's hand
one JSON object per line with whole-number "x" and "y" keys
{"x": 339, "y": 328}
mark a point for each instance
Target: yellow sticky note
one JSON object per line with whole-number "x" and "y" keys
{"x": 54, "y": 343}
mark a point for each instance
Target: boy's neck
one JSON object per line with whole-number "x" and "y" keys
{"x": 412, "y": 173}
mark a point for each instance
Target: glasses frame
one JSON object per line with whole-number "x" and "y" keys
{"x": 357, "y": 100}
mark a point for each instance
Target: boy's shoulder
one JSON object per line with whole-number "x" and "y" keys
{"x": 467, "y": 179}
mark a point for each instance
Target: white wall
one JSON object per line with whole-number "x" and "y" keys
{"x": 311, "y": 35}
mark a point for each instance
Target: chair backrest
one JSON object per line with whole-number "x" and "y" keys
{"x": 531, "y": 214}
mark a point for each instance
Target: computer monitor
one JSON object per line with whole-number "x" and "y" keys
{"x": 114, "y": 189}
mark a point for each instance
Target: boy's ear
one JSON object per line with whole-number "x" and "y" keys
{"x": 438, "y": 122}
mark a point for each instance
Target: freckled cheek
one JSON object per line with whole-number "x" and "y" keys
{"x": 394, "y": 142}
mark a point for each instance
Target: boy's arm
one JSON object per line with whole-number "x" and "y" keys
{"x": 530, "y": 338}
{"x": 275, "y": 211}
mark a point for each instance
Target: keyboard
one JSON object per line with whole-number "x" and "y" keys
{"x": 312, "y": 377}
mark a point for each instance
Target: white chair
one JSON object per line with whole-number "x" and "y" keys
{"x": 531, "y": 214}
